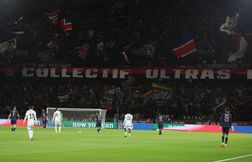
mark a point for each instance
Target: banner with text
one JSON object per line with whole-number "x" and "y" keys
{"x": 116, "y": 73}
{"x": 80, "y": 124}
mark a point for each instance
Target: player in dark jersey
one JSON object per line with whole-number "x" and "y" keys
{"x": 14, "y": 116}
{"x": 98, "y": 122}
{"x": 44, "y": 118}
{"x": 226, "y": 123}
{"x": 160, "y": 123}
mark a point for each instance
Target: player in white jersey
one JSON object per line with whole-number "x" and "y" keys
{"x": 128, "y": 125}
{"x": 57, "y": 118}
{"x": 31, "y": 116}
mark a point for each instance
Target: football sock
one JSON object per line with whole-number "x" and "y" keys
{"x": 222, "y": 139}
{"x": 59, "y": 129}
{"x": 29, "y": 134}
{"x": 226, "y": 140}
{"x": 31, "y": 131}
{"x": 56, "y": 129}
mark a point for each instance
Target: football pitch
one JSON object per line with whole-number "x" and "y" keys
{"x": 86, "y": 145}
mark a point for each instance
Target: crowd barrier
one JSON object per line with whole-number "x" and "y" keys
{"x": 140, "y": 126}
{"x": 6, "y": 122}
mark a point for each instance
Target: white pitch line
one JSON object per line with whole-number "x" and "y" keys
{"x": 238, "y": 157}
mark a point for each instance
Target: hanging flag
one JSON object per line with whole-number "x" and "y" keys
{"x": 185, "y": 48}
{"x": 10, "y": 44}
{"x": 161, "y": 93}
{"x": 66, "y": 24}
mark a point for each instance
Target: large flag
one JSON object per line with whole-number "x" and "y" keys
{"x": 10, "y": 44}
{"x": 65, "y": 24}
{"x": 230, "y": 24}
{"x": 238, "y": 55}
{"x": 185, "y": 48}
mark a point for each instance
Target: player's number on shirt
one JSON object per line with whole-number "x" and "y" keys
{"x": 226, "y": 119}
{"x": 128, "y": 118}
{"x": 31, "y": 116}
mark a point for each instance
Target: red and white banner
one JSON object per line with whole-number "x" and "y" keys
{"x": 117, "y": 73}
{"x": 198, "y": 128}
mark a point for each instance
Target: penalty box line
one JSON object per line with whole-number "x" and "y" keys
{"x": 234, "y": 158}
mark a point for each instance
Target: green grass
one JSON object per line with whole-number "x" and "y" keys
{"x": 85, "y": 145}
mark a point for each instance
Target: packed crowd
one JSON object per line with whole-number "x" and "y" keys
{"x": 186, "y": 100}
{"x": 126, "y": 33}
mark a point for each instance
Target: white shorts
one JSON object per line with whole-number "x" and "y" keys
{"x": 57, "y": 123}
{"x": 30, "y": 125}
{"x": 128, "y": 125}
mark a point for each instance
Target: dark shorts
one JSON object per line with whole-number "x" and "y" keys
{"x": 160, "y": 125}
{"x": 98, "y": 124}
{"x": 13, "y": 121}
{"x": 225, "y": 130}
